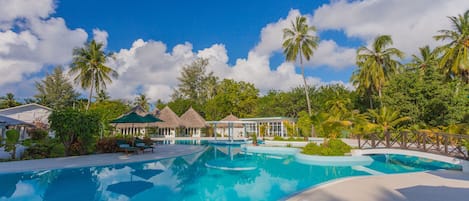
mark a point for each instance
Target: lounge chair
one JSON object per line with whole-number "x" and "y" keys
{"x": 123, "y": 145}
{"x": 142, "y": 146}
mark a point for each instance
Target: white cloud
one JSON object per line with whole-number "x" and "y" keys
{"x": 411, "y": 24}
{"x": 40, "y": 42}
{"x": 100, "y": 36}
{"x": 331, "y": 55}
{"x": 12, "y": 10}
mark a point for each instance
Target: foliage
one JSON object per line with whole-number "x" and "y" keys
{"x": 107, "y": 145}
{"x": 143, "y": 101}
{"x": 331, "y": 147}
{"x": 290, "y": 129}
{"x": 107, "y": 111}
{"x": 428, "y": 99}
{"x": 55, "y": 91}
{"x": 304, "y": 124}
{"x": 300, "y": 40}
{"x": 45, "y": 148}
{"x": 89, "y": 68}
{"x": 232, "y": 97}
{"x": 102, "y": 96}
{"x": 455, "y": 60}
{"x": 375, "y": 67}
{"x": 278, "y": 138}
{"x": 38, "y": 134}
{"x": 12, "y": 139}
{"x": 8, "y": 101}
{"x": 195, "y": 83}
{"x": 254, "y": 139}
{"x": 385, "y": 119}
{"x": 76, "y": 130}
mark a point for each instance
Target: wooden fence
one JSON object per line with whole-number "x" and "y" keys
{"x": 439, "y": 143}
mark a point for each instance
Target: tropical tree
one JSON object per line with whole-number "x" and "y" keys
{"x": 8, "y": 101}
{"x": 143, "y": 101}
{"x": 195, "y": 83}
{"x": 55, "y": 90}
{"x": 89, "y": 68}
{"x": 385, "y": 119}
{"x": 102, "y": 96}
{"x": 455, "y": 59}
{"x": 298, "y": 42}
{"x": 375, "y": 66}
{"x": 427, "y": 59}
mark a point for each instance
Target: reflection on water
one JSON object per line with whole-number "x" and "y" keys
{"x": 182, "y": 178}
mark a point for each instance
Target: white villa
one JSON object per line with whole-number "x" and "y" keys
{"x": 20, "y": 117}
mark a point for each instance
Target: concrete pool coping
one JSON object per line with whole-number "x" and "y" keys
{"x": 419, "y": 186}
{"x": 160, "y": 152}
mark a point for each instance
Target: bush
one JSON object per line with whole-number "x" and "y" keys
{"x": 331, "y": 147}
{"x": 38, "y": 134}
{"x": 312, "y": 149}
{"x": 107, "y": 145}
{"x": 38, "y": 151}
{"x": 13, "y": 136}
{"x": 278, "y": 138}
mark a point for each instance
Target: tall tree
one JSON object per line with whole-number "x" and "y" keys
{"x": 143, "y": 101}
{"x": 455, "y": 59}
{"x": 55, "y": 90}
{"x": 102, "y": 96}
{"x": 8, "y": 101}
{"x": 298, "y": 42}
{"x": 89, "y": 68}
{"x": 237, "y": 98}
{"x": 375, "y": 66}
{"x": 196, "y": 83}
{"x": 427, "y": 59}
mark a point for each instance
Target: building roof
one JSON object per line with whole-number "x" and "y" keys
{"x": 139, "y": 110}
{"x": 192, "y": 119}
{"x": 23, "y": 108}
{"x": 231, "y": 119}
{"x": 170, "y": 119}
{"x": 7, "y": 121}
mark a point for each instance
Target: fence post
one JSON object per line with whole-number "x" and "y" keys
{"x": 373, "y": 137}
{"x": 424, "y": 141}
{"x": 404, "y": 140}
{"x": 359, "y": 143}
{"x": 387, "y": 135}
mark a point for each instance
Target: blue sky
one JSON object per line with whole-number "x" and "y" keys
{"x": 154, "y": 39}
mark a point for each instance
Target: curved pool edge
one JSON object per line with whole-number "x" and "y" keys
{"x": 306, "y": 194}
{"x": 312, "y": 159}
{"x": 97, "y": 160}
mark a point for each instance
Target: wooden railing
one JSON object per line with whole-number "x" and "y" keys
{"x": 438, "y": 143}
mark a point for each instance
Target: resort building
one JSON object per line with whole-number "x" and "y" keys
{"x": 171, "y": 123}
{"x": 32, "y": 113}
{"x": 269, "y": 126}
{"x": 194, "y": 124}
{"x": 230, "y": 126}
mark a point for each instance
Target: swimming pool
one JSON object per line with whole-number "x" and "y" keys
{"x": 191, "y": 177}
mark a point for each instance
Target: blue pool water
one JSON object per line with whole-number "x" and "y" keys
{"x": 208, "y": 175}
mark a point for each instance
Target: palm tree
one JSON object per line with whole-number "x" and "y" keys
{"x": 102, "y": 96}
{"x": 8, "y": 101}
{"x": 375, "y": 66}
{"x": 455, "y": 59}
{"x": 143, "y": 101}
{"x": 428, "y": 59}
{"x": 386, "y": 119}
{"x": 90, "y": 70}
{"x": 300, "y": 41}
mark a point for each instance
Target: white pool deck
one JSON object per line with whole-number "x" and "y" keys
{"x": 160, "y": 152}
{"x": 421, "y": 186}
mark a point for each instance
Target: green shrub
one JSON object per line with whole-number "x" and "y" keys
{"x": 38, "y": 134}
{"x": 107, "y": 145}
{"x": 331, "y": 147}
{"x": 311, "y": 149}
{"x": 38, "y": 151}
{"x": 278, "y": 138}
{"x": 13, "y": 136}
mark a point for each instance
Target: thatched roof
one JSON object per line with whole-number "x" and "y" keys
{"x": 192, "y": 119}
{"x": 230, "y": 117}
{"x": 155, "y": 112}
{"x": 170, "y": 119}
{"x": 139, "y": 110}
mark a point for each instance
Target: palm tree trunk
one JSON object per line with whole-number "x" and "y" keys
{"x": 89, "y": 97}
{"x": 306, "y": 85}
